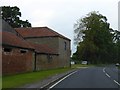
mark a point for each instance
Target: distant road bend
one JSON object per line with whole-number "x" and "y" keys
{"x": 92, "y": 77}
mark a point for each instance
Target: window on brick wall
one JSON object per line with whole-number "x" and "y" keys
{"x": 23, "y": 51}
{"x": 7, "y": 49}
{"x": 49, "y": 57}
{"x": 65, "y": 45}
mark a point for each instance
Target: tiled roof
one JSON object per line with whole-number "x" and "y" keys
{"x": 38, "y": 32}
{"x": 44, "y": 49}
{"x": 11, "y": 39}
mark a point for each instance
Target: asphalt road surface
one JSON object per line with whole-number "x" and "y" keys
{"x": 92, "y": 77}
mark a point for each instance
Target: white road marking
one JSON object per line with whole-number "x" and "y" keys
{"x": 61, "y": 80}
{"x": 107, "y": 75}
{"x": 116, "y": 82}
{"x": 104, "y": 70}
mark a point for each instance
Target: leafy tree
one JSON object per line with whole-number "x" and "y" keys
{"x": 75, "y": 58}
{"x": 118, "y": 51}
{"x": 117, "y": 45}
{"x": 12, "y": 16}
{"x": 116, "y": 35}
{"x": 93, "y": 37}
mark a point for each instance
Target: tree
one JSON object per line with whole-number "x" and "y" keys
{"x": 116, "y": 39}
{"x": 74, "y": 58}
{"x": 93, "y": 37}
{"x": 12, "y": 16}
{"x": 116, "y": 35}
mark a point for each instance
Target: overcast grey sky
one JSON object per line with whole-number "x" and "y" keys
{"x": 60, "y": 15}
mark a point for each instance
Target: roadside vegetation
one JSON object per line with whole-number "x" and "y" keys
{"x": 95, "y": 40}
{"x": 119, "y": 67}
{"x": 80, "y": 66}
{"x": 87, "y": 65}
{"x": 13, "y": 81}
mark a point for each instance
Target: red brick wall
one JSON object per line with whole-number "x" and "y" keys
{"x": 16, "y": 62}
{"x": 43, "y": 63}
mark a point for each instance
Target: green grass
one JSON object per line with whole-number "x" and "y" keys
{"x": 22, "y": 79}
{"x": 0, "y": 81}
{"x": 18, "y": 80}
{"x": 119, "y": 67}
{"x": 89, "y": 65}
{"x": 81, "y": 65}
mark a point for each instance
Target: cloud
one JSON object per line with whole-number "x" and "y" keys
{"x": 61, "y": 15}
{"x": 41, "y": 17}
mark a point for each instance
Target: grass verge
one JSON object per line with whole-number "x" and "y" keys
{"x": 119, "y": 67}
{"x": 89, "y": 65}
{"x": 81, "y": 65}
{"x": 13, "y": 81}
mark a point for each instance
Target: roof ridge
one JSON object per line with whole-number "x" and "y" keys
{"x": 47, "y": 32}
{"x": 30, "y": 27}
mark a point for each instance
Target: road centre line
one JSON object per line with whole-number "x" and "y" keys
{"x": 116, "y": 82}
{"x": 104, "y": 70}
{"x": 106, "y": 73}
{"x": 62, "y": 79}
{"x": 109, "y": 77}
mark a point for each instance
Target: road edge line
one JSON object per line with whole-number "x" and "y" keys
{"x": 62, "y": 79}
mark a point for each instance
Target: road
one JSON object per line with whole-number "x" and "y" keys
{"x": 92, "y": 77}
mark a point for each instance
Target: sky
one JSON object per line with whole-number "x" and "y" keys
{"x": 61, "y": 15}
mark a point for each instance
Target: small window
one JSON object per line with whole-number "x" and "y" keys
{"x": 65, "y": 45}
{"x": 7, "y": 49}
{"x": 18, "y": 34}
{"x": 49, "y": 57}
{"x": 23, "y": 51}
